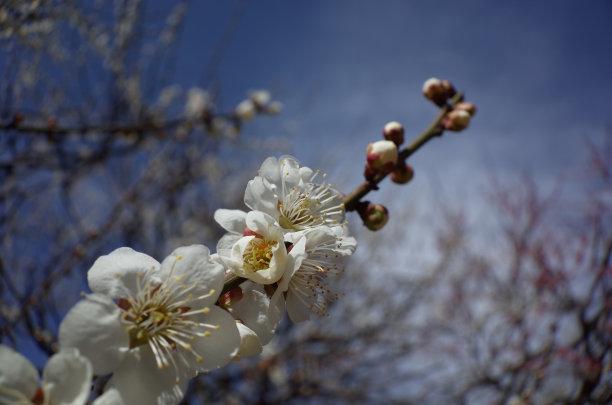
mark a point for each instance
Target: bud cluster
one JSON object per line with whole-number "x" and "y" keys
{"x": 257, "y": 102}
{"x": 438, "y": 91}
{"x": 458, "y": 118}
{"x": 200, "y": 106}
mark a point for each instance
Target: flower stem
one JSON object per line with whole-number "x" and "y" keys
{"x": 231, "y": 283}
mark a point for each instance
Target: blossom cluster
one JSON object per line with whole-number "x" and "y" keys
{"x": 153, "y": 326}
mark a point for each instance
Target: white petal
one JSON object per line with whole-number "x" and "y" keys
{"x": 93, "y": 326}
{"x": 222, "y": 345}
{"x": 296, "y": 309}
{"x": 253, "y": 309}
{"x": 9, "y": 396}
{"x": 270, "y": 170}
{"x": 260, "y": 222}
{"x": 138, "y": 381}
{"x": 276, "y": 309}
{"x": 17, "y": 373}
{"x": 249, "y": 343}
{"x": 67, "y": 378}
{"x": 227, "y": 242}
{"x": 231, "y": 220}
{"x": 298, "y": 254}
{"x": 290, "y": 171}
{"x": 260, "y": 196}
{"x": 193, "y": 265}
{"x": 110, "y": 397}
{"x": 116, "y": 274}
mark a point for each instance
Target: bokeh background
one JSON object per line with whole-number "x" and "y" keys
{"x": 490, "y": 283}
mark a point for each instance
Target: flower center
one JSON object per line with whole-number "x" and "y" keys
{"x": 310, "y": 206}
{"x": 161, "y": 316}
{"x": 258, "y": 254}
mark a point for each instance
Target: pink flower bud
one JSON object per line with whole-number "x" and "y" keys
{"x": 394, "y": 132}
{"x": 230, "y": 298}
{"x": 369, "y": 173}
{"x": 456, "y": 120}
{"x": 374, "y": 216}
{"x": 381, "y": 156}
{"x": 402, "y": 174}
{"x": 438, "y": 90}
{"x": 466, "y": 106}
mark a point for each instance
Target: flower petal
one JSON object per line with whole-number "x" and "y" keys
{"x": 231, "y": 220}
{"x": 270, "y": 170}
{"x": 259, "y": 195}
{"x": 222, "y": 345}
{"x": 117, "y": 273}
{"x": 17, "y": 373}
{"x": 296, "y": 309}
{"x": 253, "y": 310}
{"x": 110, "y": 397}
{"x": 249, "y": 343}
{"x": 67, "y": 378}
{"x": 139, "y": 381}
{"x": 193, "y": 266}
{"x": 94, "y": 327}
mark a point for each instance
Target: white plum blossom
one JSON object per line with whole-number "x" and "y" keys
{"x": 293, "y": 195}
{"x": 66, "y": 380}
{"x": 154, "y": 326}
{"x": 260, "y": 254}
{"x": 306, "y": 288}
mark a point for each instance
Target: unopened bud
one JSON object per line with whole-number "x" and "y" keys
{"x": 466, "y": 106}
{"x": 274, "y": 107}
{"x": 456, "y": 120}
{"x": 230, "y": 298}
{"x": 402, "y": 174}
{"x": 260, "y": 98}
{"x": 438, "y": 90}
{"x": 394, "y": 132}
{"x": 374, "y": 216}
{"x": 245, "y": 110}
{"x": 381, "y": 156}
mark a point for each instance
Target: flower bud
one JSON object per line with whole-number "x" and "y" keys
{"x": 456, "y": 120}
{"x": 394, "y": 132}
{"x": 260, "y": 98}
{"x": 374, "y": 216}
{"x": 438, "y": 90}
{"x": 230, "y": 298}
{"x": 381, "y": 156}
{"x": 466, "y": 106}
{"x": 245, "y": 110}
{"x": 402, "y": 174}
{"x": 274, "y": 107}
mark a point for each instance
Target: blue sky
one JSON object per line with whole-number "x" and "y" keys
{"x": 539, "y": 73}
